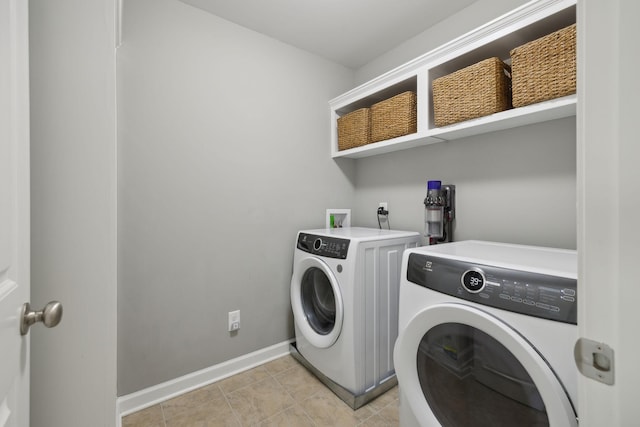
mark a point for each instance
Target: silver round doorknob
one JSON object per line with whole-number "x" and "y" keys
{"x": 50, "y": 315}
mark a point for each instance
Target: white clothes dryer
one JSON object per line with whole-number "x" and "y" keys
{"x": 344, "y": 298}
{"x": 486, "y": 336}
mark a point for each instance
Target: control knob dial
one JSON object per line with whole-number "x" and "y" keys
{"x": 473, "y": 280}
{"x": 318, "y": 244}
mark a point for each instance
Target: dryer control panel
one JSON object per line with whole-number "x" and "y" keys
{"x": 325, "y": 246}
{"x": 534, "y": 294}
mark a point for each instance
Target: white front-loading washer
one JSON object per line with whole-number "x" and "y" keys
{"x": 344, "y": 298}
{"x": 486, "y": 337}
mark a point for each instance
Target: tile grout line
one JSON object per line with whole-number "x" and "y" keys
{"x": 371, "y": 415}
{"x": 270, "y": 376}
{"x": 164, "y": 418}
{"x": 295, "y": 402}
{"x": 235, "y": 413}
{"x": 309, "y": 417}
{"x": 226, "y": 399}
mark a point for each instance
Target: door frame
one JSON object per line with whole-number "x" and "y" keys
{"x": 608, "y": 184}
{"x": 72, "y": 47}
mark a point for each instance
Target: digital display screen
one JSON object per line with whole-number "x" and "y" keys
{"x": 473, "y": 280}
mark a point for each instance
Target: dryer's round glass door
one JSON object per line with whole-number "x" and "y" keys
{"x": 469, "y": 378}
{"x": 461, "y": 366}
{"x": 318, "y": 300}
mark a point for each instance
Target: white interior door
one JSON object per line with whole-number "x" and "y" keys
{"x": 14, "y": 212}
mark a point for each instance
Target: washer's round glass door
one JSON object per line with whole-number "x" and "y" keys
{"x": 461, "y": 366}
{"x": 316, "y": 302}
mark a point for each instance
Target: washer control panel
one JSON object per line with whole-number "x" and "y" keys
{"x": 539, "y": 295}
{"x": 331, "y": 247}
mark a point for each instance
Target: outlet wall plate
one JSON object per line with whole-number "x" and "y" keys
{"x": 234, "y": 320}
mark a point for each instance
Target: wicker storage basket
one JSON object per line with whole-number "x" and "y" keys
{"x": 475, "y": 91}
{"x": 394, "y": 117}
{"x": 545, "y": 68}
{"x": 354, "y": 129}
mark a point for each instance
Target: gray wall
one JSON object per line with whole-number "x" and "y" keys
{"x": 73, "y": 210}
{"x": 517, "y": 185}
{"x": 223, "y": 156}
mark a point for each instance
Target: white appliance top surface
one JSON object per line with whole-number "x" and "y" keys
{"x": 556, "y": 262}
{"x": 361, "y": 233}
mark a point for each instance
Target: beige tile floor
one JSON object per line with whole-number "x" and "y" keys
{"x": 279, "y": 393}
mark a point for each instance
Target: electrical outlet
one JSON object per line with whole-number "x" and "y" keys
{"x": 384, "y": 207}
{"x": 234, "y": 320}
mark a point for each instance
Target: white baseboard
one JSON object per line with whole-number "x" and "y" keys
{"x": 134, "y": 402}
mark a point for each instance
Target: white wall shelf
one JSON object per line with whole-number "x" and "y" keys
{"x": 529, "y": 22}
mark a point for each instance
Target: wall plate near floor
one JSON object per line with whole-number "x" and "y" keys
{"x": 234, "y": 320}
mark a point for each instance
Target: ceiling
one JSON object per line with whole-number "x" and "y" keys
{"x": 349, "y": 32}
